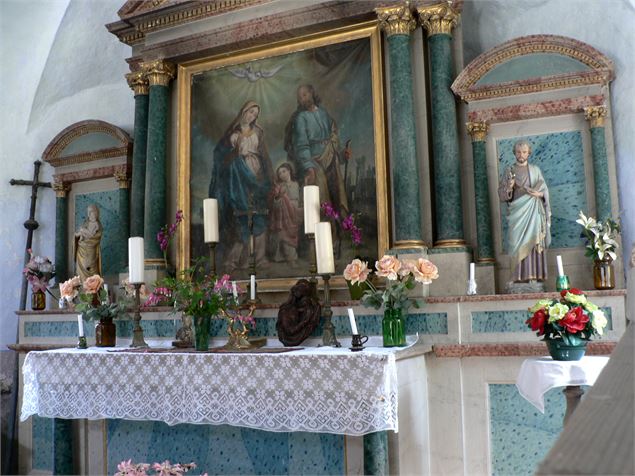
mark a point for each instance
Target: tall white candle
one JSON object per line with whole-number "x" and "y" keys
{"x": 351, "y": 317}
{"x": 210, "y": 220}
{"x": 560, "y": 267}
{"x": 135, "y": 260}
{"x": 234, "y": 290}
{"x": 311, "y": 207}
{"x": 80, "y": 325}
{"x": 252, "y": 287}
{"x": 472, "y": 274}
{"x": 324, "y": 248}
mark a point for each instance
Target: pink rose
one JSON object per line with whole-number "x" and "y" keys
{"x": 424, "y": 271}
{"x": 357, "y": 271}
{"x": 68, "y": 289}
{"x": 388, "y": 267}
{"x": 93, "y": 284}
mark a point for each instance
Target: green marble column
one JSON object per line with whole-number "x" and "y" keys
{"x": 124, "y": 220}
{"x": 397, "y": 22}
{"x": 376, "y": 453}
{"x": 485, "y": 250}
{"x": 159, "y": 75}
{"x": 61, "y": 232}
{"x": 438, "y": 20}
{"x": 63, "y": 446}
{"x": 595, "y": 115}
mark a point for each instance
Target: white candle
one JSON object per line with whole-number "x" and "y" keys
{"x": 324, "y": 248}
{"x": 80, "y": 324}
{"x": 351, "y": 317}
{"x": 252, "y": 287}
{"x": 135, "y": 260}
{"x": 234, "y": 290}
{"x": 210, "y": 220}
{"x": 560, "y": 267}
{"x": 472, "y": 271}
{"x": 311, "y": 207}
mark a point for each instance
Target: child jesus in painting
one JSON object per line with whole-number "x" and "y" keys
{"x": 285, "y": 213}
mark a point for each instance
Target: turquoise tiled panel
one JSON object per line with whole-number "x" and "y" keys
{"x": 108, "y": 204}
{"x": 512, "y": 321}
{"x": 532, "y": 66}
{"x": 151, "y": 328}
{"x": 500, "y": 321}
{"x": 560, "y": 157}
{"x": 521, "y": 436}
{"x": 42, "y": 443}
{"x": 225, "y": 449}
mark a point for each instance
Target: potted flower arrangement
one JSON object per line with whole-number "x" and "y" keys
{"x": 39, "y": 271}
{"x": 601, "y": 245}
{"x": 401, "y": 278}
{"x": 128, "y": 468}
{"x": 95, "y": 305}
{"x": 200, "y": 297}
{"x": 567, "y": 324}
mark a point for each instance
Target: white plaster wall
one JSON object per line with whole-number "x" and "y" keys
{"x": 59, "y": 65}
{"x": 607, "y": 25}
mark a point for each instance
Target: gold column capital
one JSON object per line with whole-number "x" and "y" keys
{"x": 595, "y": 115}
{"x": 121, "y": 176}
{"x": 159, "y": 72}
{"x": 396, "y": 20}
{"x": 61, "y": 189}
{"x": 440, "y": 18}
{"x": 138, "y": 82}
{"x": 477, "y": 130}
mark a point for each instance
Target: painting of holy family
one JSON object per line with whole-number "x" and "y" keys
{"x": 264, "y": 124}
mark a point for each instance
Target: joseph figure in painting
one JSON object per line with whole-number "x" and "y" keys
{"x": 525, "y": 191}
{"x": 241, "y": 180}
{"x": 313, "y": 145}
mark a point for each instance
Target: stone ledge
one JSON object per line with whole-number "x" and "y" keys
{"x": 510, "y": 350}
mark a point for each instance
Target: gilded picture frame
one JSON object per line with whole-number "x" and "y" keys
{"x": 239, "y": 126}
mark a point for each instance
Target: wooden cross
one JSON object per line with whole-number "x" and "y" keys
{"x": 250, "y": 213}
{"x": 31, "y": 223}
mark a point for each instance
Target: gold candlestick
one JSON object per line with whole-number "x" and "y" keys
{"x": 137, "y": 332}
{"x": 212, "y": 258}
{"x": 328, "y": 329}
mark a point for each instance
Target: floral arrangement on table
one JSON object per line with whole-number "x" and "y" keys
{"x": 39, "y": 271}
{"x": 128, "y": 468}
{"x": 346, "y": 223}
{"x": 94, "y": 302}
{"x": 601, "y": 237}
{"x": 166, "y": 233}
{"x": 570, "y": 321}
{"x": 200, "y": 297}
{"x": 402, "y": 276}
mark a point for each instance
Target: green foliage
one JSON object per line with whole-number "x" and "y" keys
{"x": 395, "y": 296}
{"x": 102, "y": 310}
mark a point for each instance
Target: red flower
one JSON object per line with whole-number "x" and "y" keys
{"x": 538, "y": 321}
{"x": 575, "y": 320}
{"x": 576, "y": 291}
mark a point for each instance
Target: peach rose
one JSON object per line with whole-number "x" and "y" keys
{"x": 68, "y": 289}
{"x": 357, "y": 271}
{"x": 388, "y": 267}
{"x": 92, "y": 284}
{"x": 424, "y": 271}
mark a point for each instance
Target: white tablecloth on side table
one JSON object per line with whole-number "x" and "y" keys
{"x": 315, "y": 390}
{"x": 540, "y": 374}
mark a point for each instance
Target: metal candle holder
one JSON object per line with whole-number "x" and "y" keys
{"x": 328, "y": 330}
{"x": 562, "y": 283}
{"x": 137, "y": 331}
{"x": 81, "y": 343}
{"x": 212, "y": 258}
{"x": 312, "y": 264}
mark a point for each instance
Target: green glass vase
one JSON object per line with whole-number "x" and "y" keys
{"x": 561, "y": 350}
{"x": 386, "y": 328}
{"x": 201, "y": 332}
{"x": 393, "y": 328}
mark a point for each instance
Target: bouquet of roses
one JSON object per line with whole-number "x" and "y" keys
{"x": 94, "y": 303}
{"x": 572, "y": 318}
{"x": 39, "y": 271}
{"x": 69, "y": 290}
{"x": 401, "y": 276}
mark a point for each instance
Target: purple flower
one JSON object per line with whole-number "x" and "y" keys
{"x": 330, "y": 211}
{"x": 348, "y": 223}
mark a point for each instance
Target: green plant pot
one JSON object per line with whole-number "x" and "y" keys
{"x": 559, "y": 350}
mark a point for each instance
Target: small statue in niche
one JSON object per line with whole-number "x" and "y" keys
{"x": 299, "y": 315}
{"x": 525, "y": 191}
{"x": 87, "y": 244}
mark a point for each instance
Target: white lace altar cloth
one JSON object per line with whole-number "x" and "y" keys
{"x": 324, "y": 390}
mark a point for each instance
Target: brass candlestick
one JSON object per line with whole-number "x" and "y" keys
{"x": 312, "y": 264}
{"x": 328, "y": 330}
{"x": 81, "y": 343}
{"x": 137, "y": 332}
{"x": 212, "y": 258}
